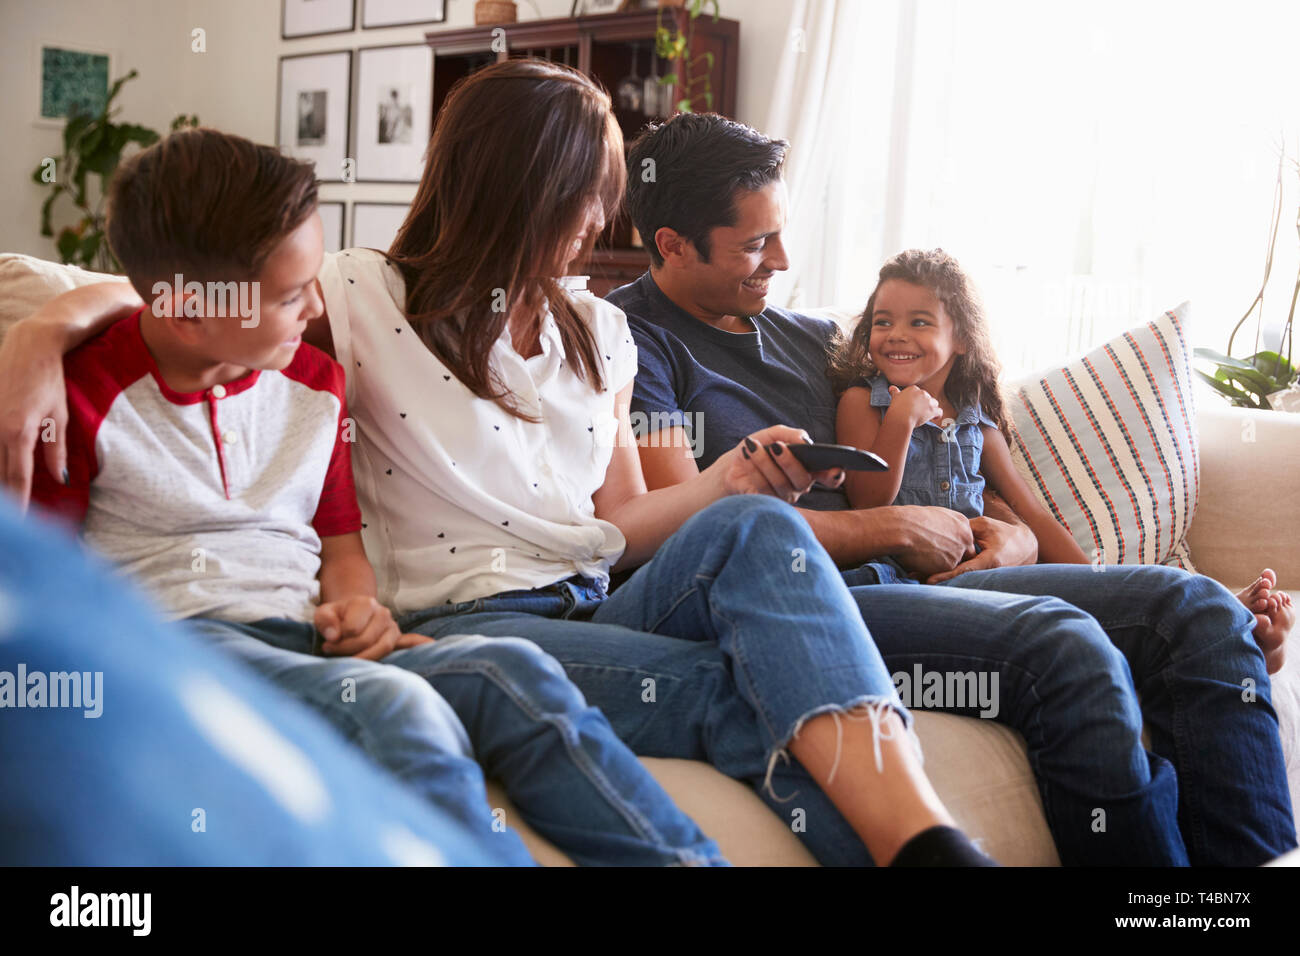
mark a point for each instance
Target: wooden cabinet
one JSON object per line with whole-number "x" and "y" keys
{"x": 610, "y": 48}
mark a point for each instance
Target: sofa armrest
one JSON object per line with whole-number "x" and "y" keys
{"x": 1248, "y": 515}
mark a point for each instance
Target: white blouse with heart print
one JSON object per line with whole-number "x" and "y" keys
{"x": 460, "y": 499}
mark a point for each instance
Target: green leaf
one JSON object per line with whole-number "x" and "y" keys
{"x": 1220, "y": 359}
{"x": 117, "y": 85}
{"x": 684, "y": 106}
{"x": 666, "y": 80}
{"x": 90, "y": 142}
{"x": 90, "y": 245}
{"x": 1274, "y": 366}
{"x": 143, "y": 135}
{"x": 79, "y": 182}
{"x": 1238, "y": 397}
{"x": 46, "y": 207}
{"x": 104, "y": 159}
{"x": 708, "y": 99}
{"x": 73, "y": 130}
{"x": 1251, "y": 380}
{"x": 68, "y": 243}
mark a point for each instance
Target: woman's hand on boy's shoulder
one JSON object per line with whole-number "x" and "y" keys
{"x": 33, "y": 408}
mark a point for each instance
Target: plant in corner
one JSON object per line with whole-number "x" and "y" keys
{"x": 92, "y": 144}
{"x": 672, "y": 44}
{"x": 1263, "y": 379}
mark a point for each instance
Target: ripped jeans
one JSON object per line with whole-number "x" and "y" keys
{"x": 718, "y": 649}
{"x": 741, "y": 628}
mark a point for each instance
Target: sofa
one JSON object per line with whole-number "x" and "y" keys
{"x": 1247, "y": 518}
{"x": 978, "y": 767}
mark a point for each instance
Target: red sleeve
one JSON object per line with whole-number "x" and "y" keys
{"x": 68, "y": 502}
{"x": 337, "y": 512}
{"x": 95, "y": 374}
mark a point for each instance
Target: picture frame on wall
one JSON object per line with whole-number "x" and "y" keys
{"x": 394, "y": 112}
{"x": 394, "y": 13}
{"x": 70, "y": 77}
{"x": 313, "y": 116}
{"x": 331, "y": 218}
{"x": 375, "y": 224}
{"x": 310, "y": 18}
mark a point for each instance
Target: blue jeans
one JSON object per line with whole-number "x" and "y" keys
{"x": 181, "y": 757}
{"x": 1204, "y": 691}
{"x": 1184, "y": 643}
{"x": 567, "y": 773}
{"x": 740, "y": 628}
{"x": 718, "y": 649}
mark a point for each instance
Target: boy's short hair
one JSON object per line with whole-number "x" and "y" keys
{"x": 699, "y": 161}
{"x": 204, "y": 204}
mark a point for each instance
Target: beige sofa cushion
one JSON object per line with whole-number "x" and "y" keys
{"x": 978, "y": 768}
{"x": 28, "y": 283}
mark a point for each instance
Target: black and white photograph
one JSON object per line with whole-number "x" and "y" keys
{"x": 314, "y": 96}
{"x": 312, "y": 113}
{"x": 395, "y": 115}
{"x": 394, "y": 106}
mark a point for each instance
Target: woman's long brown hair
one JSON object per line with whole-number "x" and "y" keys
{"x": 519, "y": 151}
{"x": 974, "y": 375}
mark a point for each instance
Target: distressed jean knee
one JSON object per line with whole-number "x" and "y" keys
{"x": 873, "y": 709}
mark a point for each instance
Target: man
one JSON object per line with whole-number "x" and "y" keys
{"x": 717, "y": 363}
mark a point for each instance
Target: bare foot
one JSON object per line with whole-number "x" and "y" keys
{"x": 1274, "y": 617}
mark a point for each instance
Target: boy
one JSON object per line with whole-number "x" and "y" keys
{"x": 209, "y": 456}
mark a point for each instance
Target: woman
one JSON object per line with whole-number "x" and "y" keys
{"x": 500, "y": 485}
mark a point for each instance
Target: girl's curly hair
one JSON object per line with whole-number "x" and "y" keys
{"x": 974, "y": 375}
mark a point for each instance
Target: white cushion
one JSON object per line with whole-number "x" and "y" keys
{"x": 29, "y": 283}
{"x": 1108, "y": 443}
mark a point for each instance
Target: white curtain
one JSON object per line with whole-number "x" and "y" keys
{"x": 1089, "y": 163}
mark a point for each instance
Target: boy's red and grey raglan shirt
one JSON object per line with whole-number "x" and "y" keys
{"x": 215, "y": 501}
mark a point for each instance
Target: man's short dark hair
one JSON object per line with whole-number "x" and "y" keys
{"x": 207, "y": 204}
{"x": 699, "y": 162}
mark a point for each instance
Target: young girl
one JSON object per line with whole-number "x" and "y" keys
{"x": 919, "y": 384}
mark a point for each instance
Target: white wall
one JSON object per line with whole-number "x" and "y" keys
{"x": 232, "y": 85}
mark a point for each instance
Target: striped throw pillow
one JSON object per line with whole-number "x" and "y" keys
{"x": 1109, "y": 444}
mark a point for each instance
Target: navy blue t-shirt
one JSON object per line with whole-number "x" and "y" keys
{"x": 721, "y": 386}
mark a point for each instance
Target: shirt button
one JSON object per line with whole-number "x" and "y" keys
{"x": 218, "y": 391}
{"x": 944, "y": 485}
{"x": 229, "y": 438}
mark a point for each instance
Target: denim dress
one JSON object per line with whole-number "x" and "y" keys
{"x": 942, "y": 470}
{"x": 943, "y": 462}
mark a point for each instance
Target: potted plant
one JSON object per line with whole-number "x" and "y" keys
{"x": 92, "y": 145}
{"x": 1263, "y": 379}
{"x": 672, "y": 44}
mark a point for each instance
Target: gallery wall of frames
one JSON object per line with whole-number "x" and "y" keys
{"x": 363, "y": 114}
